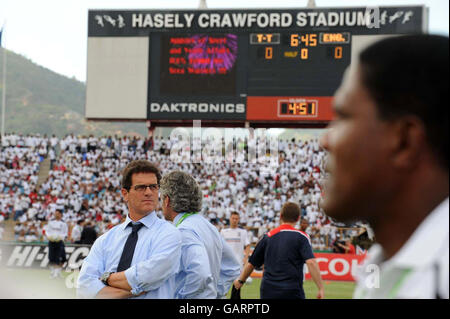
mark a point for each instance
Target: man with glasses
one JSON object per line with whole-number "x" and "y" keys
{"x": 140, "y": 257}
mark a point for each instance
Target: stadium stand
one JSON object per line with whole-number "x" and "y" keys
{"x": 81, "y": 176}
{"x": 20, "y": 160}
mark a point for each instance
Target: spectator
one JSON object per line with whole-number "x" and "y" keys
{"x": 88, "y": 234}
{"x": 81, "y": 183}
{"x": 77, "y": 231}
{"x": 347, "y": 247}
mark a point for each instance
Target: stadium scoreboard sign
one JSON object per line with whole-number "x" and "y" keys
{"x": 273, "y": 67}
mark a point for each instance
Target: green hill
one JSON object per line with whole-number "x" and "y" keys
{"x": 39, "y": 100}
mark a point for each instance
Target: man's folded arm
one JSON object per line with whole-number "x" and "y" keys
{"x": 113, "y": 293}
{"x": 89, "y": 283}
{"x": 150, "y": 274}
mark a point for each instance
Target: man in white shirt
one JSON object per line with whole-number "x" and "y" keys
{"x": 53, "y": 141}
{"x": 52, "y": 156}
{"x": 239, "y": 242}
{"x": 56, "y": 231}
{"x": 388, "y": 164}
{"x": 76, "y": 232}
{"x": 83, "y": 144}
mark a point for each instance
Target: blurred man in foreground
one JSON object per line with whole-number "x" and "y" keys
{"x": 388, "y": 164}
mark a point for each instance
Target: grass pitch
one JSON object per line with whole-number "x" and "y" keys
{"x": 332, "y": 289}
{"x": 36, "y": 283}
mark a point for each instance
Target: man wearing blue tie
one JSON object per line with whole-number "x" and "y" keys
{"x": 140, "y": 257}
{"x": 208, "y": 264}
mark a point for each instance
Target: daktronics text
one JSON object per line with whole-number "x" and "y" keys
{"x": 197, "y": 107}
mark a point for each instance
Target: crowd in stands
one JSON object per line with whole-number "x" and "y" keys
{"x": 20, "y": 159}
{"x": 85, "y": 176}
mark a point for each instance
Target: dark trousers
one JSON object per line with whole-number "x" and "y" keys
{"x": 56, "y": 252}
{"x": 235, "y": 293}
{"x": 269, "y": 291}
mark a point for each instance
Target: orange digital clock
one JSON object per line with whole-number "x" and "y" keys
{"x": 303, "y": 108}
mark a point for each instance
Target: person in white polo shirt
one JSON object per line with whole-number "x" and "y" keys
{"x": 56, "y": 231}
{"x": 239, "y": 241}
{"x": 388, "y": 164}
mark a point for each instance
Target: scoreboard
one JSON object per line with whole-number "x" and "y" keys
{"x": 230, "y": 67}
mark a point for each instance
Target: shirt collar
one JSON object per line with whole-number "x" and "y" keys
{"x": 147, "y": 220}
{"x": 177, "y": 218}
{"x": 424, "y": 244}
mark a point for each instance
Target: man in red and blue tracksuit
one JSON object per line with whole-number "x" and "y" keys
{"x": 283, "y": 251}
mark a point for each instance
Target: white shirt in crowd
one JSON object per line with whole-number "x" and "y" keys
{"x": 76, "y": 232}
{"x": 238, "y": 239}
{"x": 56, "y": 230}
{"x": 419, "y": 270}
{"x": 229, "y": 194}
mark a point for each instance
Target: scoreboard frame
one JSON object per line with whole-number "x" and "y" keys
{"x": 130, "y": 89}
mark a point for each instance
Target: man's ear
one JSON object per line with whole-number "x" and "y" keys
{"x": 165, "y": 201}
{"x": 124, "y": 194}
{"x": 408, "y": 141}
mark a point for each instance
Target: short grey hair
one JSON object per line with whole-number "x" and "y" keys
{"x": 183, "y": 190}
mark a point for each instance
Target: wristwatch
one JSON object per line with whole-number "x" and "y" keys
{"x": 241, "y": 281}
{"x": 104, "y": 278}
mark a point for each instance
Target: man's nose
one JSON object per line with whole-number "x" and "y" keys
{"x": 148, "y": 191}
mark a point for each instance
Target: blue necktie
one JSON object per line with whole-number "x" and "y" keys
{"x": 128, "y": 249}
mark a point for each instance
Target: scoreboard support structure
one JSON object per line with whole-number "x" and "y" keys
{"x": 230, "y": 68}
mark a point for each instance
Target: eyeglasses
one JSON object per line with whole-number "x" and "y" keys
{"x": 141, "y": 188}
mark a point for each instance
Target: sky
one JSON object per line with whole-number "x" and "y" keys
{"x": 53, "y": 33}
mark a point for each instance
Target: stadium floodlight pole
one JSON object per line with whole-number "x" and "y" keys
{"x": 3, "y": 93}
{"x": 3, "y": 86}
{"x": 202, "y": 4}
{"x": 311, "y": 4}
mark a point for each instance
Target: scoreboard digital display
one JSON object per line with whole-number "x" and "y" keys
{"x": 277, "y": 64}
{"x": 236, "y": 66}
{"x": 198, "y": 64}
{"x": 296, "y": 64}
